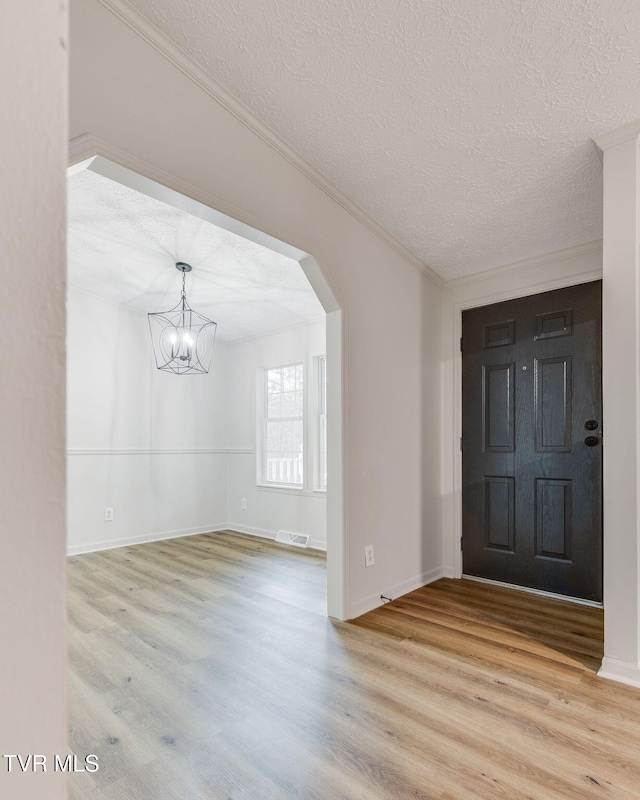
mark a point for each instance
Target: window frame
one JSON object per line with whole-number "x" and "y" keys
{"x": 320, "y": 423}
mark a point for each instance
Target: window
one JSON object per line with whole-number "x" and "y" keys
{"x": 284, "y": 425}
{"x": 291, "y": 441}
{"x": 322, "y": 423}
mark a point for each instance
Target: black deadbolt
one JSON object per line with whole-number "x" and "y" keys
{"x": 591, "y": 441}
{"x": 591, "y": 425}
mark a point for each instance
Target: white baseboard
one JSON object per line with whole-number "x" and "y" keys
{"x": 622, "y": 671}
{"x": 144, "y": 538}
{"x": 372, "y": 601}
{"x": 263, "y": 533}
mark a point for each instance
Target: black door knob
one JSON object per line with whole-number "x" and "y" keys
{"x": 591, "y": 441}
{"x": 591, "y": 425}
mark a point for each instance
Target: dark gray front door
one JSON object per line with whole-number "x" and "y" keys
{"x": 532, "y": 441}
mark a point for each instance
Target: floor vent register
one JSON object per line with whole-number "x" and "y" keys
{"x": 296, "y": 539}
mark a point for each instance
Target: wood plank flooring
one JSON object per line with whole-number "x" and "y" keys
{"x": 205, "y": 668}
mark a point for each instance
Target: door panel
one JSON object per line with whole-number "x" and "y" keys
{"x": 499, "y": 512}
{"x": 532, "y": 485}
{"x": 554, "y": 404}
{"x": 554, "y": 517}
{"x": 499, "y": 408}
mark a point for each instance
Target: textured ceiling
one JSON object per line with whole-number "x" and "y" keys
{"x": 123, "y": 245}
{"x": 464, "y": 127}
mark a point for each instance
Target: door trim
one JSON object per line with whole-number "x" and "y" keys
{"x": 452, "y": 395}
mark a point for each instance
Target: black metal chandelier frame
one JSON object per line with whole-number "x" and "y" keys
{"x": 182, "y": 338}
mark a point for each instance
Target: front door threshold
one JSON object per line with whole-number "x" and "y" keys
{"x": 578, "y": 600}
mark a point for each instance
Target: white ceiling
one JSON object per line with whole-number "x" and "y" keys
{"x": 123, "y": 245}
{"x": 464, "y": 127}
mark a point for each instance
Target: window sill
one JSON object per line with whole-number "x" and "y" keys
{"x": 275, "y": 487}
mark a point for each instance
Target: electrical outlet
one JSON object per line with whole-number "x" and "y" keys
{"x": 244, "y": 503}
{"x": 369, "y": 560}
{"x": 108, "y": 515}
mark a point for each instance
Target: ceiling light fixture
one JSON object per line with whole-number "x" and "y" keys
{"x": 182, "y": 339}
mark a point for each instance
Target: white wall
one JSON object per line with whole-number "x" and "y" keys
{"x": 621, "y": 396}
{"x": 269, "y": 509}
{"x": 139, "y": 440}
{"x": 33, "y": 42}
{"x": 431, "y": 552}
{"x": 153, "y": 118}
{"x": 171, "y": 455}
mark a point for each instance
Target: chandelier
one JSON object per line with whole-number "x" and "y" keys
{"x": 182, "y": 339}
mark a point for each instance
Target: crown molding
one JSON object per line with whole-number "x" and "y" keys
{"x": 622, "y": 134}
{"x": 147, "y": 31}
{"x": 519, "y": 266}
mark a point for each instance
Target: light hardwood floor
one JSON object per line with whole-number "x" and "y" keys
{"x": 204, "y": 668}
